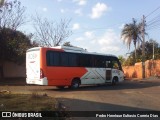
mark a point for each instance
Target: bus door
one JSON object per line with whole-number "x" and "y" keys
{"x": 108, "y": 71}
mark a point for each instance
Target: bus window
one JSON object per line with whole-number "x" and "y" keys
{"x": 53, "y": 58}
{"x": 84, "y": 60}
{"x": 64, "y": 59}
{"x": 72, "y": 59}
{"x": 108, "y": 64}
{"x": 99, "y": 61}
{"x": 115, "y": 65}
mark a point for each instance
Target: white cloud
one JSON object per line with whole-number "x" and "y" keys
{"x": 78, "y": 12}
{"x": 44, "y": 9}
{"x": 80, "y": 2}
{"x": 89, "y": 34}
{"x": 109, "y": 41}
{"x": 121, "y": 26}
{"x": 62, "y": 10}
{"x": 109, "y": 48}
{"x": 98, "y": 10}
{"x": 76, "y": 26}
{"x": 108, "y": 38}
{"x": 79, "y": 39}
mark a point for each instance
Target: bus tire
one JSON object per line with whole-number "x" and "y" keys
{"x": 75, "y": 83}
{"x": 114, "y": 81}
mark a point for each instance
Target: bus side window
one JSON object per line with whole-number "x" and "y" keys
{"x": 73, "y": 62}
{"x": 53, "y": 58}
{"x": 108, "y": 64}
{"x": 63, "y": 59}
{"x": 49, "y": 57}
{"x": 115, "y": 64}
{"x": 99, "y": 61}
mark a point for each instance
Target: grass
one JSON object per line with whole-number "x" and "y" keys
{"x": 27, "y": 102}
{"x": 31, "y": 102}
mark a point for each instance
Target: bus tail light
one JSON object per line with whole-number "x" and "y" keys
{"x": 41, "y": 74}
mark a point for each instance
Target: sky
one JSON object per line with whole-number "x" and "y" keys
{"x": 96, "y": 24}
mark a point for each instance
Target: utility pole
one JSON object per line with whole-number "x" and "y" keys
{"x": 153, "y": 50}
{"x": 153, "y": 59}
{"x": 143, "y": 47}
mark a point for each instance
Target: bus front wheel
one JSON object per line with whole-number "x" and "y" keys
{"x": 114, "y": 81}
{"x": 75, "y": 84}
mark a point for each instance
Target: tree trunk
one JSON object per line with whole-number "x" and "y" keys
{"x": 135, "y": 53}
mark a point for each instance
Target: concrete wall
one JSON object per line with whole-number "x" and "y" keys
{"x": 14, "y": 70}
{"x": 152, "y": 68}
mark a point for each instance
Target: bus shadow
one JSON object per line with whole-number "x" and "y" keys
{"x": 120, "y": 86}
{"x": 84, "y": 105}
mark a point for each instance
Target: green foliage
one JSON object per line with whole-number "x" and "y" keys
{"x": 148, "y": 53}
{"x": 131, "y": 33}
{"x": 129, "y": 61}
{"x": 149, "y": 50}
{"x": 122, "y": 60}
{"x": 13, "y": 45}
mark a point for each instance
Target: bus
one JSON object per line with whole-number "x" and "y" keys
{"x": 71, "y": 66}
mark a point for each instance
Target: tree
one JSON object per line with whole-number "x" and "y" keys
{"x": 68, "y": 44}
{"x": 131, "y": 32}
{"x": 1, "y": 3}
{"x": 50, "y": 33}
{"x": 149, "y": 50}
{"x": 13, "y": 46}
{"x": 129, "y": 61}
{"x": 12, "y": 15}
{"x": 121, "y": 59}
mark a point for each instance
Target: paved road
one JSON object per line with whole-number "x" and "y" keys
{"x": 127, "y": 96}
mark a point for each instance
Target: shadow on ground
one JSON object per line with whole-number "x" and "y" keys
{"x": 87, "y": 110}
{"x": 127, "y": 84}
{"x": 83, "y": 105}
{"x": 120, "y": 86}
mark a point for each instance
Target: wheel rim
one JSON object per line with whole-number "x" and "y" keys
{"x": 75, "y": 84}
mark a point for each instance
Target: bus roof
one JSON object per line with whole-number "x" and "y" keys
{"x": 70, "y": 49}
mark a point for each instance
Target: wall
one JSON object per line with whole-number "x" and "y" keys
{"x": 14, "y": 70}
{"x": 152, "y": 68}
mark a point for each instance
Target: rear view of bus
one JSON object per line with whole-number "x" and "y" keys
{"x": 34, "y": 72}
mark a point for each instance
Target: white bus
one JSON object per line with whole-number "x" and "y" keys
{"x": 70, "y": 66}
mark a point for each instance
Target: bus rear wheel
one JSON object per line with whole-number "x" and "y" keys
{"x": 75, "y": 84}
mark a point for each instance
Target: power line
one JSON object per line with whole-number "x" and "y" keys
{"x": 152, "y": 12}
{"x": 154, "y": 19}
{"x": 155, "y": 22}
